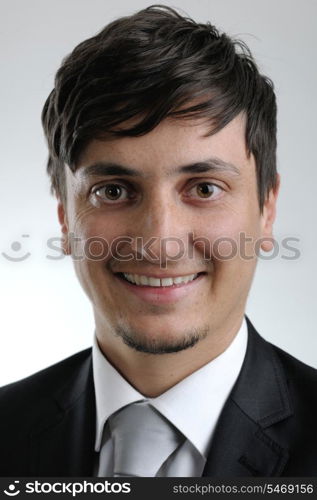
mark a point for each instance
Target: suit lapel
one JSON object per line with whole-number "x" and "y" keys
{"x": 242, "y": 444}
{"x": 62, "y": 444}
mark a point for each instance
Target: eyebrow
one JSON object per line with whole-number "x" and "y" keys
{"x": 211, "y": 164}
{"x": 109, "y": 168}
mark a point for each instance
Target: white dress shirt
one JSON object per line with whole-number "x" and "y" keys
{"x": 193, "y": 406}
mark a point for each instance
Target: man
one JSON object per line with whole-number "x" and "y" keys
{"x": 162, "y": 141}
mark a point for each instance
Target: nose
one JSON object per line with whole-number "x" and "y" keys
{"x": 160, "y": 229}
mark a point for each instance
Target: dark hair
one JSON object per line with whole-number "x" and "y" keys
{"x": 151, "y": 65}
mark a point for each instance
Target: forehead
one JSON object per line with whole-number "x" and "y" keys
{"x": 171, "y": 144}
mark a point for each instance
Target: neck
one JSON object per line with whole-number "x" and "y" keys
{"x": 153, "y": 374}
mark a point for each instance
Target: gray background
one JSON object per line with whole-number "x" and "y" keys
{"x": 44, "y": 314}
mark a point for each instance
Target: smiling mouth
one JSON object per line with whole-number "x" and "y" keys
{"x": 149, "y": 281}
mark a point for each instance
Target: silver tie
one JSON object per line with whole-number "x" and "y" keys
{"x": 143, "y": 439}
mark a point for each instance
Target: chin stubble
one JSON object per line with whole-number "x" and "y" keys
{"x": 160, "y": 346}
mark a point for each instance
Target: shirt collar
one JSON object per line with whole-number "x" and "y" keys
{"x": 207, "y": 390}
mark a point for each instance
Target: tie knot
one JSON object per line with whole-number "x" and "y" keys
{"x": 143, "y": 439}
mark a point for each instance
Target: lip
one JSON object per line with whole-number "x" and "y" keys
{"x": 162, "y": 294}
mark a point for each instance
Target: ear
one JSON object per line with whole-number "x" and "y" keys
{"x": 62, "y": 217}
{"x": 268, "y": 218}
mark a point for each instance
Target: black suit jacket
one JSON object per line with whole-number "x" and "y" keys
{"x": 267, "y": 427}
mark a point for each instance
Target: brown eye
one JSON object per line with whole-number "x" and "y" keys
{"x": 205, "y": 190}
{"x": 111, "y": 192}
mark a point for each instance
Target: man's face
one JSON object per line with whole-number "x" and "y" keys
{"x": 185, "y": 205}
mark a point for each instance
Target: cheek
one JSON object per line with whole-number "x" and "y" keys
{"x": 92, "y": 235}
{"x": 229, "y": 236}
{"x": 91, "y": 250}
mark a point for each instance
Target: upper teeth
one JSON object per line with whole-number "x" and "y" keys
{"x": 139, "y": 279}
